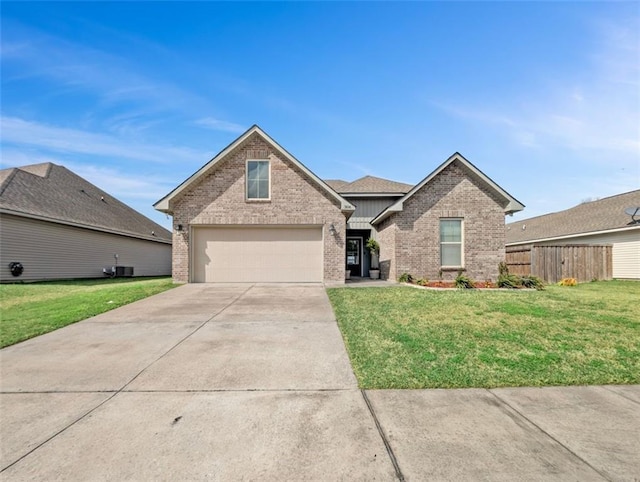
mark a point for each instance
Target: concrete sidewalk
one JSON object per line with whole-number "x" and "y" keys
{"x": 247, "y": 382}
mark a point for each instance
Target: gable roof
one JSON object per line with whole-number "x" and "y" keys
{"x": 372, "y": 185}
{"x": 163, "y": 204}
{"x": 336, "y": 184}
{"x": 50, "y": 192}
{"x": 513, "y": 205}
{"x": 590, "y": 217}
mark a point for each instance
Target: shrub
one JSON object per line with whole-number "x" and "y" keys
{"x": 422, "y": 281}
{"x": 568, "y": 282}
{"x": 509, "y": 281}
{"x": 532, "y": 282}
{"x": 463, "y": 282}
{"x": 503, "y": 268}
{"x": 372, "y": 245}
{"x": 405, "y": 278}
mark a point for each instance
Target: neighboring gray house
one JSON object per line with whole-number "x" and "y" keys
{"x": 597, "y": 222}
{"x": 57, "y": 226}
{"x": 256, "y": 213}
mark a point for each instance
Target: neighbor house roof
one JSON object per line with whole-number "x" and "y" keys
{"x": 370, "y": 185}
{"x": 163, "y": 204}
{"x": 605, "y": 214}
{"x": 512, "y": 204}
{"x": 53, "y": 193}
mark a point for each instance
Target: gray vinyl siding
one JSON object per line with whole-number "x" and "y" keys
{"x": 625, "y": 250}
{"x": 55, "y": 251}
{"x": 366, "y": 210}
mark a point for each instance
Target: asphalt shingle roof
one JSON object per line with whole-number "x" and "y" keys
{"x": 369, "y": 184}
{"x": 336, "y": 184}
{"x": 53, "y": 192}
{"x": 601, "y": 215}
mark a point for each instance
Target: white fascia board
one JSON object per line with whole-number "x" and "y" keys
{"x": 576, "y": 235}
{"x": 513, "y": 206}
{"x": 394, "y": 208}
{"x": 163, "y": 204}
{"x": 371, "y": 194}
{"x": 345, "y": 205}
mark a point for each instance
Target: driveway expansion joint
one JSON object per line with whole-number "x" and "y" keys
{"x": 116, "y": 392}
{"x": 387, "y": 445}
{"x": 63, "y": 429}
{"x": 620, "y": 394}
{"x": 41, "y": 392}
{"x": 543, "y": 431}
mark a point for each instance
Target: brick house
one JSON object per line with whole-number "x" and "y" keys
{"x": 255, "y": 213}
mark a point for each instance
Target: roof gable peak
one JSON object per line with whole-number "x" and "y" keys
{"x": 163, "y": 204}
{"x": 513, "y": 205}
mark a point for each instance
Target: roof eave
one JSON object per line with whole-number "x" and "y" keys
{"x": 513, "y": 205}
{"x": 394, "y": 208}
{"x": 84, "y": 226}
{"x": 574, "y": 235}
{"x": 372, "y": 194}
{"x": 163, "y": 205}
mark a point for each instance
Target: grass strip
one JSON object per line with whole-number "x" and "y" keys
{"x": 32, "y": 309}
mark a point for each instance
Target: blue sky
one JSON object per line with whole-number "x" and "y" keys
{"x": 544, "y": 97}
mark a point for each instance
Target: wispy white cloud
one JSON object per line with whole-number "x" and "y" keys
{"x": 74, "y": 68}
{"x": 595, "y": 114}
{"x": 220, "y": 125}
{"x": 14, "y": 130}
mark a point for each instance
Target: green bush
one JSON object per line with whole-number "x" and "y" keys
{"x": 372, "y": 245}
{"x": 532, "y": 282}
{"x": 405, "y": 278}
{"x": 422, "y": 281}
{"x": 509, "y": 281}
{"x": 463, "y": 282}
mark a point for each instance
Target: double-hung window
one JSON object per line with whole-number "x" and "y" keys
{"x": 451, "y": 253}
{"x": 258, "y": 180}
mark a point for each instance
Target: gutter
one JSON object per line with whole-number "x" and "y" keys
{"x": 83, "y": 226}
{"x": 575, "y": 235}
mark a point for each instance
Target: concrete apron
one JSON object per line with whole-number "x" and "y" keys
{"x": 219, "y": 382}
{"x": 247, "y": 382}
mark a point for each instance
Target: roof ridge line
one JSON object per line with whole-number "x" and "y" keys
{"x": 8, "y": 180}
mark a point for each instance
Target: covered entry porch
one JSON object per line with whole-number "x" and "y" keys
{"x": 358, "y": 257}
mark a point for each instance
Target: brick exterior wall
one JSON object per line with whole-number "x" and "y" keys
{"x": 410, "y": 240}
{"x": 218, "y": 198}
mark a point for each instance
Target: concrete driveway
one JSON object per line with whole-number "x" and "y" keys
{"x": 252, "y": 382}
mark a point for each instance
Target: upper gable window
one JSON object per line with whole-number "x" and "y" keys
{"x": 258, "y": 180}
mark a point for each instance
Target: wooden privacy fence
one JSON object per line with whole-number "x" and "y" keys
{"x": 583, "y": 262}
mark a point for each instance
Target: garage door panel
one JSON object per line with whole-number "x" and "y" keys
{"x": 257, "y": 254}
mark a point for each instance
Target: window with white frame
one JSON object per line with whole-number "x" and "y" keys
{"x": 451, "y": 253}
{"x": 258, "y": 180}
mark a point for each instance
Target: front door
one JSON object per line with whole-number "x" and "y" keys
{"x": 354, "y": 256}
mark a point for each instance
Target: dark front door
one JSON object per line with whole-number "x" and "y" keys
{"x": 354, "y": 256}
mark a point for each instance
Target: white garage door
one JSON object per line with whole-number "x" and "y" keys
{"x": 257, "y": 254}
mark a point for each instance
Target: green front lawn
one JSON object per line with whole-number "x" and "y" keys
{"x": 403, "y": 337}
{"x": 32, "y": 309}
